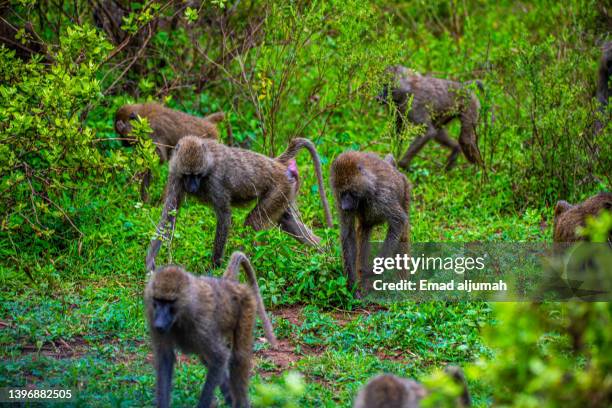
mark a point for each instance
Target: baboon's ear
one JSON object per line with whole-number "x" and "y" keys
{"x": 391, "y": 160}
{"x": 561, "y": 207}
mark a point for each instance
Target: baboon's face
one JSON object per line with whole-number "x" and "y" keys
{"x": 192, "y": 182}
{"x": 164, "y": 314}
{"x": 169, "y": 284}
{"x": 191, "y": 161}
{"x": 349, "y": 201}
{"x": 391, "y": 84}
{"x": 122, "y": 124}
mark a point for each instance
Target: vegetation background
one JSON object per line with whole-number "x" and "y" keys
{"x": 73, "y": 233}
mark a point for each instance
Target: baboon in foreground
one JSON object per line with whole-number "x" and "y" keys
{"x": 569, "y": 217}
{"x": 435, "y": 103}
{"x": 168, "y": 125}
{"x": 369, "y": 191}
{"x": 224, "y": 176}
{"x": 390, "y": 391}
{"x": 210, "y": 317}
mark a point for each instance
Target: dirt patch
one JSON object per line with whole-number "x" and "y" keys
{"x": 284, "y": 355}
{"x": 291, "y": 313}
{"x": 59, "y": 349}
{"x": 294, "y": 314}
{"x": 397, "y": 356}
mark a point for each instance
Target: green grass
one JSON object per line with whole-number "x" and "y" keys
{"x": 71, "y": 309}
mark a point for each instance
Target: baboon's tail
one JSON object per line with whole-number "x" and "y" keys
{"x": 215, "y": 117}
{"x": 468, "y": 139}
{"x": 292, "y": 150}
{"x": 240, "y": 259}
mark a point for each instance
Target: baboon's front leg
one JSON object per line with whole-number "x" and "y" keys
{"x": 348, "y": 240}
{"x": 223, "y": 212}
{"x": 171, "y": 206}
{"x": 164, "y": 364}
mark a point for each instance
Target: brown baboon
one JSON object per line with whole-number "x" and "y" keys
{"x": 224, "y": 176}
{"x": 390, "y": 391}
{"x": 435, "y": 103}
{"x": 168, "y": 125}
{"x": 569, "y": 217}
{"x": 369, "y": 191}
{"x": 210, "y": 317}
{"x": 604, "y": 85}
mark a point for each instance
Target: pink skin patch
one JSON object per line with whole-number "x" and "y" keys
{"x": 292, "y": 170}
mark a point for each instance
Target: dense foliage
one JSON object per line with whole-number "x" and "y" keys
{"x": 73, "y": 232}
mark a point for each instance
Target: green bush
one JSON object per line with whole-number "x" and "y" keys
{"x": 47, "y": 155}
{"x": 553, "y": 355}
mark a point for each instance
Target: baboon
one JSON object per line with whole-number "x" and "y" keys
{"x": 369, "y": 191}
{"x": 224, "y": 176}
{"x": 569, "y": 217}
{"x": 168, "y": 125}
{"x": 435, "y": 103}
{"x": 390, "y": 391}
{"x": 210, "y": 317}
{"x": 604, "y": 85}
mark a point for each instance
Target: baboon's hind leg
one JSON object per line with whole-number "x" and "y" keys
{"x": 225, "y": 389}
{"x": 240, "y": 361}
{"x": 290, "y": 223}
{"x": 268, "y": 209}
{"x": 416, "y": 146}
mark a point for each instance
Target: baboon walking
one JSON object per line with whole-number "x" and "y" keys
{"x": 210, "y": 317}
{"x": 369, "y": 191}
{"x": 435, "y": 103}
{"x": 224, "y": 176}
